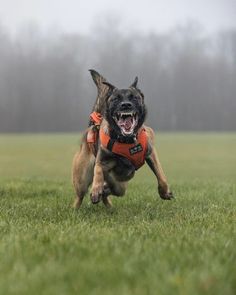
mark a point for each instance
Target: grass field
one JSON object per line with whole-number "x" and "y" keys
{"x": 144, "y": 245}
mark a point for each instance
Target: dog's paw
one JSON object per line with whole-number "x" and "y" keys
{"x": 96, "y": 194}
{"x": 165, "y": 195}
{"x": 168, "y": 196}
{"x": 95, "y": 198}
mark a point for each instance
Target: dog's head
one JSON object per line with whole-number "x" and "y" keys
{"x": 125, "y": 109}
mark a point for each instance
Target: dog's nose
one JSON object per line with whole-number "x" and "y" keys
{"x": 126, "y": 105}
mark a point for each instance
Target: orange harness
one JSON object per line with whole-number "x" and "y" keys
{"x": 135, "y": 152}
{"x": 96, "y": 119}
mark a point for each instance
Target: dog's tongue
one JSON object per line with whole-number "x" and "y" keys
{"x": 127, "y": 122}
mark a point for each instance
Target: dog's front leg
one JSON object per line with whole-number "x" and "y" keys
{"x": 154, "y": 163}
{"x": 98, "y": 181}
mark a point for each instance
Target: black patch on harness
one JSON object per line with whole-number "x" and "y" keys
{"x": 136, "y": 149}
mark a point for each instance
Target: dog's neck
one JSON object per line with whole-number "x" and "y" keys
{"x": 121, "y": 138}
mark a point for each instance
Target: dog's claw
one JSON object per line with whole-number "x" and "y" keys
{"x": 96, "y": 198}
{"x": 165, "y": 195}
{"x": 96, "y": 194}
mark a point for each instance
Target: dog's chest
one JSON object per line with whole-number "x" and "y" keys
{"x": 123, "y": 170}
{"x": 120, "y": 167}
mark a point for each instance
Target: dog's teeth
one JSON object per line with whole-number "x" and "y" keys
{"x": 121, "y": 114}
{"x": 128, "y": 114}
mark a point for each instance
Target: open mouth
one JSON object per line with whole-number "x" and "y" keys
{"x": 126, "y": 121}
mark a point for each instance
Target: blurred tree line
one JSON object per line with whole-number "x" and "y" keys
{"x": 188, "y": 77}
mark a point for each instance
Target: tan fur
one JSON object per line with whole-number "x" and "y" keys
{"x": 82, "y": 172}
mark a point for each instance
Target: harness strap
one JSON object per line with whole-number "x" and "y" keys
{"x": 96, "y": 118}
{"x": 95, "y": 122}
{"x": 135, "y": 152}
{"x": 110, "y": 144}
{"x": 93, "y": 131}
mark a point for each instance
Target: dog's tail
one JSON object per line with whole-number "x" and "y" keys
{"x": 103, "y": 89}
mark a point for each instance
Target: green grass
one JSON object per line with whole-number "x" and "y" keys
{"x": 144, "y": 245}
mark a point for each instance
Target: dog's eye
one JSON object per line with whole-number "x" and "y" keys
{"x": 133, "y": 97}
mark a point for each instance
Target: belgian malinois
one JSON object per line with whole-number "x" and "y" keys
{"x": 115, "y": 144}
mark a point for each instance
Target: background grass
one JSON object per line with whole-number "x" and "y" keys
{"x": 144, "y": 245}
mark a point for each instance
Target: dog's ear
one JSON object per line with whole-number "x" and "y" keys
{"x": 134, "y": 84}
{"x": 97, "y": 78}
{"x": 102, "y": 91}
{"x": 110, "y": 87}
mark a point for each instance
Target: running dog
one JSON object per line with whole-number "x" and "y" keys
{"x": 115, "y": 145}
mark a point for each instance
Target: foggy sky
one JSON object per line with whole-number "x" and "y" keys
{"x": 186, "y": 66}
{"x": 135, "y": 15}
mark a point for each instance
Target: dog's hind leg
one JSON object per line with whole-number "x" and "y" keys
{"x": 82, "y": 173}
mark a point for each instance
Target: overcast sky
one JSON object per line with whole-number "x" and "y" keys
{"x": 139, "y": 15}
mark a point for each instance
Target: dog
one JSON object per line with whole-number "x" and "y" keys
{"x": 115, "y": 145}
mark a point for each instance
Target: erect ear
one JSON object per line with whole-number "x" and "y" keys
{"x": 97, "y": 78}
{"x": 111, "y": 88}
{"x": 134, "y": 84}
